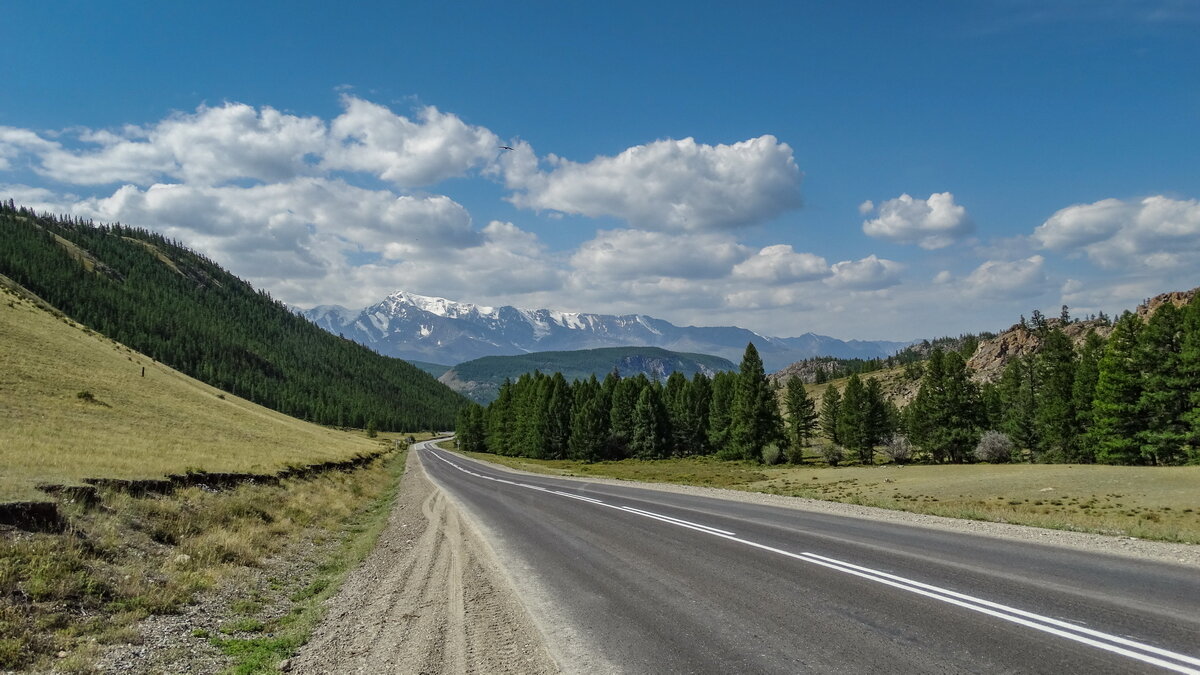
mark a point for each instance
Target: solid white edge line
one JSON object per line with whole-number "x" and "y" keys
{"x": 1000, "y": 611}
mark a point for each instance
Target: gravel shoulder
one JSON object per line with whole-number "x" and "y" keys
{"x": 431, "y": 598}
{"x": 1165, "y": 552}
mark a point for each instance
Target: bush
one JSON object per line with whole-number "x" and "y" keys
{"x": 898, "y": 449}
{"x": 771, "y": 454}
{"x": 795, "y": 455}
{"x": 995, "y": 447}
{"x": 832, "y": 453}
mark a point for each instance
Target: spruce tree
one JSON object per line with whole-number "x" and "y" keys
{"x": 1116, "y": 423}
{"x": 801, "y": 415}
{"x": 755, "y": 410}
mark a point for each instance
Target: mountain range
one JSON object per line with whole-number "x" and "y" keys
{"x": 481, "y": 378}
{"x": 421, "y": 328}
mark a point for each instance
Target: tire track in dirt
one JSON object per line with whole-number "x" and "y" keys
{"x": 429, "y": 599}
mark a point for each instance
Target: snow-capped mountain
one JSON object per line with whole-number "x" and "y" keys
{"x": 437, "y": 330}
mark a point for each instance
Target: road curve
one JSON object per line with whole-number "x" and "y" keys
{"x": 626, "y": 579}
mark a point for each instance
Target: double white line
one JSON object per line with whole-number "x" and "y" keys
{"x": 1174, "y": 661}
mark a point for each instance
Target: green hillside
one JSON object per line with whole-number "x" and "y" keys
{"x": 182, "y": 309}
{"x": 481, "y": 378}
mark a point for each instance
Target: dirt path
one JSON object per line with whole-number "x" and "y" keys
{"x": 430, "y": 598}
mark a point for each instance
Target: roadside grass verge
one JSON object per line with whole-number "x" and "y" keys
{"x": 1160, "y": 503}
{"x": 279, "y": 638}
{"x": 64, "y": 596}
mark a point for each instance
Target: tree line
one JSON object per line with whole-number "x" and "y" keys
{"x": 180, "y": 308}
{"x": 1131, "y": 399}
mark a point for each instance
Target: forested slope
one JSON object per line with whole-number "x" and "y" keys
{"x": 180, "y": 308}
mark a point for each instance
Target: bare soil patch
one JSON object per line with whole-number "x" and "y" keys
{"x": 430, "y": 598}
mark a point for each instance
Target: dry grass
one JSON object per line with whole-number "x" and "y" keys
{"x": 75, "y": 405}
{"x": 140, "y": 556}
{"x": 1148, "y": 502}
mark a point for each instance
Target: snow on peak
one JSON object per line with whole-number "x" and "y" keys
{"x": 438, "y": 306}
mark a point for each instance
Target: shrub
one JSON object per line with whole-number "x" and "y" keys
{"x": 832, "y": 453}
{"x": 995, "y": 447}
{"x": 85, "y": 395}
{"x": 898, "y": 449}
{"x": 771, "y": 454}
{"x": 795, "y": 455}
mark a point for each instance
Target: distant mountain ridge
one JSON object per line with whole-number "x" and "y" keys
{"x": 481, "y": 378}
{"x": 423, "y": 328}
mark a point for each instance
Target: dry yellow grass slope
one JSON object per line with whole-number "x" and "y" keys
{"x": 75, "y": 405}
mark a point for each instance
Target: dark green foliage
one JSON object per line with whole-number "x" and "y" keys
{"x": 831, "y": 412}
{"x": 589, "y": 427}
{"x": 852, "y": 426}
{"x": 1083, "y": 391}
{"x": 756, "y": 420}
{"x": 470, "y": 429}
{"x": 651, "y": 435}
{"x": 801, "y": 416}
{"x": 1055, "y": 418}
{"x": 1115, "y": 419}
{"x": 944, "y": 418}
{"x": 721, "y": 409}
{"x": 1189, "y": 366}
{"x": 1017, "y": 391}
{"x": 1164, "y": 399}
{"x": 180, "y": 308}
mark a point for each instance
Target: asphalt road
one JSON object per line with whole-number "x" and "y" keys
{"x": 633, "y": 580}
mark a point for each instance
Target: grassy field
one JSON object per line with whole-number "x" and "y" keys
{"x": 75, "y": 405}
{"x": 1147, "y": 502}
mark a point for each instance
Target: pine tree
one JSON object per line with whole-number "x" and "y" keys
{"x": 852, "y": 424}
{"x": 831, "y": 411}
{"x": 801, "y": 415}
{"x": 1189, "y": 368}
{"x": 500, "y": 421}
{"x": 755, "y": 410}
{"x": 1115, "y": 416}
{"x": 1083, "y": 392}
{"x": 1018, "y": 394}
{"x": 1055, "y": 413}
{"x": 1164, "y": 399}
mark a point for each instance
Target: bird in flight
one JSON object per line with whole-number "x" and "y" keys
{"x": 505, "y": 147}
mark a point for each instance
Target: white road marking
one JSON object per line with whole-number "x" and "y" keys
{"x": 1116, "y": 644}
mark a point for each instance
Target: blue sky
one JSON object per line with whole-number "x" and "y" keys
{"x": 862, "y": 170}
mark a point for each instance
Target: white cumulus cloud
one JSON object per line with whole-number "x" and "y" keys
{"x": 638, "y": 254}
{"x": 1008, "y": 279}
{"x": 370, "y": 138}
{"x": 868, "y": 274}
{"x": 678, "y": 185}
{"x": 1155, "y": 233}
{"x": 931, "y": 223}
{"x": 779, "y": 264}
